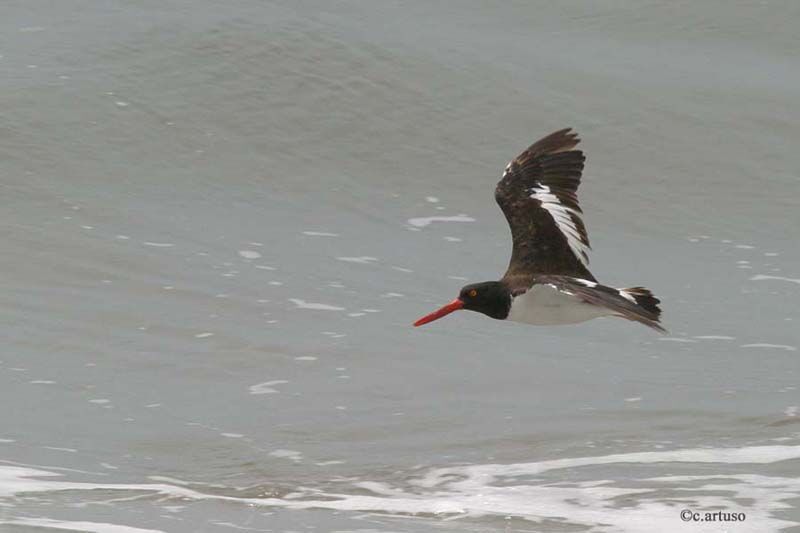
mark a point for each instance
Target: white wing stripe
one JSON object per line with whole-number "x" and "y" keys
{"x": 563, "y": 217}
{"x": 624, "y": 294}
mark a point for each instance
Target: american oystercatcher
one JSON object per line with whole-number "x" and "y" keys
{"x": 547, "y": 281}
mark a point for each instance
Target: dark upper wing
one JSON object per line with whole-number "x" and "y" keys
{"x": 637, "y": 303}
{"x": 538, "y": 196}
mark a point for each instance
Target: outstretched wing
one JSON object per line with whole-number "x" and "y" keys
{"x": 635, "y": 303}
{"x": 538, "y": 196}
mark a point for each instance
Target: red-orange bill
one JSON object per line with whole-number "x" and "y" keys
{"x": 455, "y": 305}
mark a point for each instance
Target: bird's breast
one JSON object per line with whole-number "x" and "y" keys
{"x": 545, "y": 304}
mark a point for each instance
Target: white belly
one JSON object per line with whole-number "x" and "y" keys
{"x": 546, "y": 305}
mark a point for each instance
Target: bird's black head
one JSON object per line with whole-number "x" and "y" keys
{"x": 492, "y": 298}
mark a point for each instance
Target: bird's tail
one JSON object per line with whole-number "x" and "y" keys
{"x": 646, "y": 309}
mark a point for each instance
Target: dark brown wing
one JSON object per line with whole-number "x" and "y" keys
{"x": 636, "y": 303}
{"x": 538, "y": 196}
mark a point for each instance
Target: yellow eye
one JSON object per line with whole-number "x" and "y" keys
{"x": 473, "y": 293}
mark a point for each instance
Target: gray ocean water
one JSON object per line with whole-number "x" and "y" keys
{"x": 220, "y": 219}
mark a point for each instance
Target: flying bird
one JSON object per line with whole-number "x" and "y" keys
{"x": 548, "y": 280}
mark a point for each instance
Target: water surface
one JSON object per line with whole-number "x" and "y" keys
{"x": 221, "y": 220}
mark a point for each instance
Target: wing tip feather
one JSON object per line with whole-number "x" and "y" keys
{"x": 559, "y": 141}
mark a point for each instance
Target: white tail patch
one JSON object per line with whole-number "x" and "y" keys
{"x": 625, "y": 294}
{"x": 564, "y": 218}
